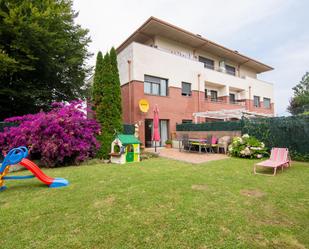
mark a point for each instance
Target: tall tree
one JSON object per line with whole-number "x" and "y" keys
{"x": 116, "y": 91}
{"x": 299, "y": 103}
{"x": 107, "y": 101}
{"x": 42, "y": 55}
{"x": 97, "y": 93}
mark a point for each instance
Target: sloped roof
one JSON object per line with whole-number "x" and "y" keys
{"x": 154, "y": 26}
{"x": 128, "y": 139}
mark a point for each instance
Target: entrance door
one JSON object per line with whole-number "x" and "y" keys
{"x": 163, "y": 129}
{"x": 148, "y": 132}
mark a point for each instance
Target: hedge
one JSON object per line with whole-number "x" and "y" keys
{"x": 291, "y": 132}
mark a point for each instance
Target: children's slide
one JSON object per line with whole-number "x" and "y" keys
{"x": 18, "y": 156}
{"x": 38, "y": 173}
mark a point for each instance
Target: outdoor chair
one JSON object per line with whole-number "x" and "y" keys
{"x": 279, "y": 158}
{"x": 208, "y": 143}
{"x": 223, "y": 143}
{"x": 214, "y": 144}
{"x": 186, "y": 145}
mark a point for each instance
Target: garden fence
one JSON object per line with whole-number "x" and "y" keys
{"x": 291, "y": 132}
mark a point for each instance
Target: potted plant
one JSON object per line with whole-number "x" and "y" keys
{"x": 168, "y": 143}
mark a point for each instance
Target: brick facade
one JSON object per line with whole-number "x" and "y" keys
{"x": 173, "y": 107}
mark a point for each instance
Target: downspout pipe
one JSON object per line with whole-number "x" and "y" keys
{"x": 130, "y": 98}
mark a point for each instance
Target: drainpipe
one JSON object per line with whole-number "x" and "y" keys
{"x": 198, "y": 102}
{"x": 249, "y": 107}
{"x": 129, "y": 72}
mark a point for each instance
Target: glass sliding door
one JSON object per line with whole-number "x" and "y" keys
{"x": 163, "y": 129}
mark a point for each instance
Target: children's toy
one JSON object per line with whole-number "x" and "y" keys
{"x": 125, "y": 149}
{"x": 18, "y": 155}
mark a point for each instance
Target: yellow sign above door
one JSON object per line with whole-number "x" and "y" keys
{"x": 143, "y": 105}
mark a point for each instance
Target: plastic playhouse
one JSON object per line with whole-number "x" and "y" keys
{"x": 125, "y": 149}
{"x": 18, "y": 156}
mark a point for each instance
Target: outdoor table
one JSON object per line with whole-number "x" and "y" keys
{"x": 199, "y": 142}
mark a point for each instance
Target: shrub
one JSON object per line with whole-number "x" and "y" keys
{"x": 247, "y": 147}
{"x": 59, "y": 137}
{"x": 168, "y": 141}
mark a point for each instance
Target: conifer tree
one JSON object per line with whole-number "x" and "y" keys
{"x": 107, "y": 100}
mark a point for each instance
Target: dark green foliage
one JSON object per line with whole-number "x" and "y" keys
{"x": 247, "y": 147}
{"x": 42, "y": 55}
{"x": 291, "y": 132}
{"x": 300, "y": 102}
{"x": 107, "y": 100}
{"x": 210, "y": 126}
{"x": 97, "y": 92}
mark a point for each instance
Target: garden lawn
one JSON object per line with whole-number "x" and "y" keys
{"x": 159, "y": 203}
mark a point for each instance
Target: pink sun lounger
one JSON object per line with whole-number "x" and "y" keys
{"x": 279, "y": 158}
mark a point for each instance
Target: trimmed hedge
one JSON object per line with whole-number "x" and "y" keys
{"x": 291, "y": 132}
{"x": 211, "y": 126}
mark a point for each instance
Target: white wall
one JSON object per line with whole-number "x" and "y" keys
{"x": 152, "y": 61}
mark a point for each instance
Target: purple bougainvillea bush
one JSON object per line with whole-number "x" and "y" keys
{"x": 61, "y": 136}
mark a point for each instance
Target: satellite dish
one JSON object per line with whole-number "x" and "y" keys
{"x": 143, "y": 105}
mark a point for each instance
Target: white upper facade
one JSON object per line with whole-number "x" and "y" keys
{"x": 178, "y": 62}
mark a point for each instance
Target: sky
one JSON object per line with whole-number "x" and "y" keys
{"x": 274, "y": 32}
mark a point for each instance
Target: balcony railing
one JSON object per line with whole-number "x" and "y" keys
{"x": 220, "y": 101}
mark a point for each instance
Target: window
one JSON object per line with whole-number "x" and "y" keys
{"x": 155, "y": 85}
{"x": 186, "y": 89}
{"x": 230, "y": 70}
{"x": 256, "y": 101}
{"x": 266, "y": 102}
{"x": 187, "y": 121}
{"x": 208, "y": 63}
{"x": 213, "y": 95}
{"x": 206, "y": 94}
{"x": 232, "y": 98}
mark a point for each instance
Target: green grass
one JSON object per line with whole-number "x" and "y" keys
{"x": 159, "y": 203}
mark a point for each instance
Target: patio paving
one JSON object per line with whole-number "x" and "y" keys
{"x": 190, "y": 157}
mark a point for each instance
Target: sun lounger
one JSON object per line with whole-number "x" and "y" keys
{"x": 279, "y": 158}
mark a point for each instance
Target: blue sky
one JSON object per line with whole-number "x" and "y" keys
{"x": 274, "y": 31}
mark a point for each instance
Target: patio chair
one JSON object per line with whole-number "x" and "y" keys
{"x": 223, "y": 143}
{"x": 214, "y": 144}
{"x": 279, "y": 158}
{"x": 186, "y": 145}
{"x": 208, "y": 143}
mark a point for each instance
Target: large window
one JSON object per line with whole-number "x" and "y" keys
{"x": 266, "y": 102}
{"x": 256, "y": 101}
{"x": 185, "y": 89}
{"x": 208, "y": 63}
{"x": 155, "y": 86}
{"x": 214, "y": 95}
{"x": 230, "y": 70}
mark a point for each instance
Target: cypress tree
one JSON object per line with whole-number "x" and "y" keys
{"x": 97, "y": 81}
{"x": 116, "y": 92}
{"x": 107, "y": 100}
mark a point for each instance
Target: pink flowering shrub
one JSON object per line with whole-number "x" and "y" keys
{"x": 61, "y": 136}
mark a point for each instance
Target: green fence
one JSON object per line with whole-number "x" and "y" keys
{"x": 211, "y": 126}
{"x": 291, "y": 132}
{"x": 128, "y": 129}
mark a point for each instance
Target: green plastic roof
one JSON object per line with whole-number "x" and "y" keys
{"x": 128, "y": 139}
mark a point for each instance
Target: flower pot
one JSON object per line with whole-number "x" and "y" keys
{"x": 168, "y": 146}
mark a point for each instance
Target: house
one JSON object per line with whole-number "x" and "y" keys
{"x": 187, "y": 76}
